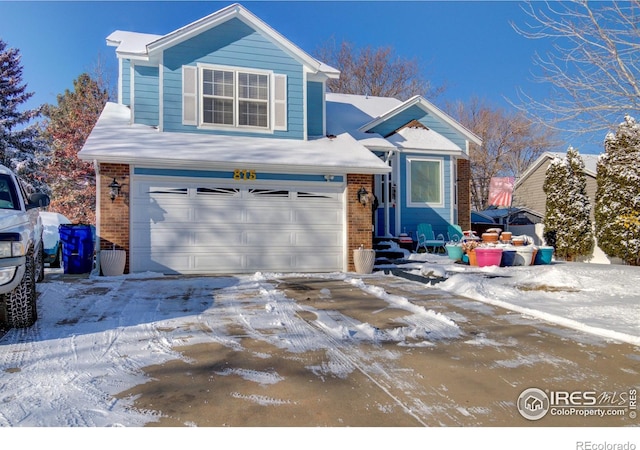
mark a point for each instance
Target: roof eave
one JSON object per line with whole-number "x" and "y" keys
{"x": 238, "y": 11}
{"x": 198, "y": 164}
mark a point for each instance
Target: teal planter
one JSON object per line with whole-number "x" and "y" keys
{"x": 454, "y": 252}
{"x": 544, "y": 255}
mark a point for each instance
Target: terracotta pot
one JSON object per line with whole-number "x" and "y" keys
{"x": 473, "y": 261}
{"x": 505, "y": 236}
{"x": 489, "y": 237}
{"x": 517, "y": 241}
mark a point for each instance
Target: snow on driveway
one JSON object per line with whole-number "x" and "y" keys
{"x": 94, "y": 336}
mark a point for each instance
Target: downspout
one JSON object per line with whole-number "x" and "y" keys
{"x": 96, "y": 248}
{"x": 387, "y": 192}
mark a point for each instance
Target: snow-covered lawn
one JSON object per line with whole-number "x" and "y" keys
{"x": 600, "y": 299}
{"x": 95, "y": 335}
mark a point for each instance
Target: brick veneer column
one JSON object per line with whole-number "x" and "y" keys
{"x": 359, "y": 217}
{"x": 464, "y": 194}
{"x": 114, "y": 216}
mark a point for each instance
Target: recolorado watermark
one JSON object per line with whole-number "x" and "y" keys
{"x": 534, "y": 404}
{"x": 589, "y": 445}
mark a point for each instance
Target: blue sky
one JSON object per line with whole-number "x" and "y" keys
{"x": 469, "y": 45}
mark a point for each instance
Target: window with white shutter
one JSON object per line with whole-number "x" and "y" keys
{"x": 234, "y": 97}
{"x": 280, "y": 102}
{"x": 189, "y": 95}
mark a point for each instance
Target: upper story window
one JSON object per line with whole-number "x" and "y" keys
{"x": 229, "y": 97}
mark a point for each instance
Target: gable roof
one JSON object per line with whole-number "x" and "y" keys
{"x": 429, "y": 108}
{"x": 421, "y": 138}
{"x": 146, "y": 46}
{"x": 359, "y": 114}
{"x": 590, "y": 165}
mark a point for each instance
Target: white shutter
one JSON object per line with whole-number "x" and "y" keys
{"x": 280, "y": 102}
{"x": 189, "y": 95}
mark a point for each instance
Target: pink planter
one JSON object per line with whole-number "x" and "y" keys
{"x": 488, "y": 256}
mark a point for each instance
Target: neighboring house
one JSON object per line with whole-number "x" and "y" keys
{"x": 528, "y": 190}
{"x": 529, "y": 193}
{"x": 228, "y": 156}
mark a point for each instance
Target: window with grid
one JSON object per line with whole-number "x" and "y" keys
{"x": 235, "y": 98}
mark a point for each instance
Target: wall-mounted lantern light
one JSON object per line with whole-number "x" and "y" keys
{"x": 114, "y": 189}
{"x": 363, "y": 196}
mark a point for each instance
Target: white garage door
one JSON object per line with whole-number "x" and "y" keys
{"x": 206, "y": 227}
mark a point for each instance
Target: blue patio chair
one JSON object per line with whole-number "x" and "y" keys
{"x": 427, "y": 239}
{"x": 455, "y": 233}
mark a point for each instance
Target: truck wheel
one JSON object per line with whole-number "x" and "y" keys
{"x": 39, "y": 264}
{"x": 20, "y": 304}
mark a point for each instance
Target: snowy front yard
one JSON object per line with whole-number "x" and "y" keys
{"x": 94, "y": 336}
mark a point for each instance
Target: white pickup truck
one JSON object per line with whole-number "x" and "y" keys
{"x": 21, "y": 251}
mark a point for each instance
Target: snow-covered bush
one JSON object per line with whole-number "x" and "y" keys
{"x": 617, "y": 209}
{"x": 567, "y": 221}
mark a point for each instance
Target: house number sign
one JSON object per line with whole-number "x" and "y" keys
{"x": 244, "y": 174}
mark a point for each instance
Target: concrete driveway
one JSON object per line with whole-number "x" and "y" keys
{"x": 472, "y": 379}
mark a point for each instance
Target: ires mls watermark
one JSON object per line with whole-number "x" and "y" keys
{"x": 534, "y": 403}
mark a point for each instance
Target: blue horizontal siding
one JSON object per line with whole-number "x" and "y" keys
{"x": 234, "y": 44}
{"x": 430, "y": 121}
{"x": 221, "y": 174}
{"x": 439, "y": 217}
{"x": 315, "y": 113}
{"x": 146, "y": 95}
{"x": 126, "y": 82}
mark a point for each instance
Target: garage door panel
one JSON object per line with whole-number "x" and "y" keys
{"x": 218, "y": 262}
{"x": 216, "y": 238}
{"x": 318, "y": 238}
{"x": 323, "y": 261}
{"x": 219, "y": 214}
{"x": 268, "y": 216}
{"x": 267, "y": 239}
{"x": 318, "y": 216}
{"x": 270, "y": 260}
{"x": 195, "y": 226}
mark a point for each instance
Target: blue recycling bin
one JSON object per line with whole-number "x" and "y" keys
{"x": 77, "y": 248}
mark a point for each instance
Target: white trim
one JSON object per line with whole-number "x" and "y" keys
{"x": 429, "y": 108}
{"x": 453, "y": 176}
{"x": 236, "y": 98}
{"x": 324, "y": 108}
{"x": 238, "y": 11}
{"x": 120, "y": 64}
{"x": 409, "y": 202}
{"x": 305, "y": 96}
{"x": 132, "y": 94}
{"x": 161, "y": 94}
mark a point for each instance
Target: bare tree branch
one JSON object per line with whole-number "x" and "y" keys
{"x": 592, "y": 67}
{"x": 376, "y": 72}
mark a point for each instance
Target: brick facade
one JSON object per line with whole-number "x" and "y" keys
{"x": 464, "y": 194}
{"x": 359, "y": 217}
{"x": 114, "y": 215}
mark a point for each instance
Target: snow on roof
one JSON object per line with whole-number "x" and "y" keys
{"x": 114, "y": 139}
{"x": 346, "y": 113}
{"x": 429, "y": 108}
{"x": 131, "y": 43}
{"x": 421, "y": 139}
{"x": 143, "y": 45}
